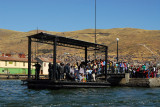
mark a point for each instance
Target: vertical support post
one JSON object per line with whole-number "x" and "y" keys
{"x": 29, "y": 57}
{"x": 106, "y": 57}
{"x": 86, "y": 55}
{"x": 54, "y": 59}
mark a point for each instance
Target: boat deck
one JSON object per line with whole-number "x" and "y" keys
{"x": 50, "y": 84}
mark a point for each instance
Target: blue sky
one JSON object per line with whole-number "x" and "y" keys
{"x": 71, "y": 15}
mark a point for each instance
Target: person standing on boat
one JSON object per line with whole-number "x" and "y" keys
{"x": 58, "y": 74}
{"x": 38, "y": 67}
{"x": 81, "y": 69}
{"x": 67, "y": 70}
{"x": 50, "y": 71}
{"x": 121, "y": 67}
{"x": 144, "y": 67}
{"x": 89, "y": 71}
{"x": 61, "y": 71}
{"x": 93, "y": 75}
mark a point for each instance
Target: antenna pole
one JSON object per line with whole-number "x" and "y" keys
{"x": 36, "y": 46}
{"x": 95, "y": 22}
{"x": 95, "y": 30}
{"x": 37, "y": 30}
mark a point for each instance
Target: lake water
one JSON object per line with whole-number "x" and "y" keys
{"x": 13, "y": 94}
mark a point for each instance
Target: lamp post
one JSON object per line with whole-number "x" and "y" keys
{"x": 117, "y": 48}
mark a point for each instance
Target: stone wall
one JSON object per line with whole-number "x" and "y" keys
{"x": 154, "y": 82}
{"x": 139, "y": 82}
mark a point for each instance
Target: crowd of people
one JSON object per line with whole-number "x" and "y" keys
{"x": 85, "y": 72}
{"x": 77, "y": 72}
{"x": 143, "y": 71}
{"x": 136, "y": 71}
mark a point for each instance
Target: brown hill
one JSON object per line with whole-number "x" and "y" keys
{"x": 133, "y": 43}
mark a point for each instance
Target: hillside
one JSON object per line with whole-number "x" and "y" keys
{"x": 136, "y": 43}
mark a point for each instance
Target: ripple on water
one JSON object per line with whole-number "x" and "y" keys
{"x": 14, "y": 94}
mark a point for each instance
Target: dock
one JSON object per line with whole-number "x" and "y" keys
{"x": 112, "y": 80}
{"x": 50, "y": 84}
{"x": 64, "y": 84}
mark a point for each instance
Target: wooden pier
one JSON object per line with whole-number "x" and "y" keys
{"x": 50, "y": 84}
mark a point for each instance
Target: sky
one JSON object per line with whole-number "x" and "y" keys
{"x": 71, "y": 15}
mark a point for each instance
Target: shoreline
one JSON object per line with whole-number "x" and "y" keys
{"x": 20, "y": 76}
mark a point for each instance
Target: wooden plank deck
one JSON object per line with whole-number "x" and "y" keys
{"x": 50, "y": 84}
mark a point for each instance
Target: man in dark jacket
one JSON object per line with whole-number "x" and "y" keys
{"x": 61, "y": 69}
{"x": 50, "y": 71}
{"x": 67, "y": 70}
{"x": 37, "y": 66}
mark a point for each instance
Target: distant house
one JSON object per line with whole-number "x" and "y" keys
{"x": 44, "y": 64}
{"x": 11, "y": 65}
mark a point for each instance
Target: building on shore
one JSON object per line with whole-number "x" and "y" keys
{"x": 15, "y": 65}
{"x": 44, "y": 62}
{"x": 18, "y": 65}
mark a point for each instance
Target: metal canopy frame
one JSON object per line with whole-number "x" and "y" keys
{"x": 66, "y": 42}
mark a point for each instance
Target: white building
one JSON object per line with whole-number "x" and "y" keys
{"x": 44, "y": 62}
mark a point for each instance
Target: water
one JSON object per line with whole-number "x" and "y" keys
{"x": 13, "y": 94}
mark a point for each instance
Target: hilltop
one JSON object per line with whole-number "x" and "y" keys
{"x": 139, "y": 44}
